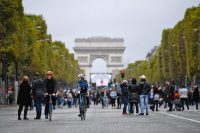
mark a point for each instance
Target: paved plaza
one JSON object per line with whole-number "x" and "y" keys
{"x": 100, "y": 120}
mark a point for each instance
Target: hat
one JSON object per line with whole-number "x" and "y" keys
{"x": 142, "y": 77}
{"x": 124, "y": 81}
{"x": 81, "y": 76}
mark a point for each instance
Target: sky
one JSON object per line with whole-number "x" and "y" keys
{"x": 139, "y": 22}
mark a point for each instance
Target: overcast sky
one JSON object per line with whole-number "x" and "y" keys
{"x": 139, "y": 22}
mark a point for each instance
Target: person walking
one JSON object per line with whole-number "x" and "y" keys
{"x": 151, "y": 98}
{"x": 184, "y": 96}
{"x": 69, "y": 99}
{"x": 170, "y": 90}
{"x": 124, "y": 88}
{"x": 24, "y": 97}
{"x": 156, "y": 93}
{"x": 144, "y": 89}
{"x": 60, "y": 98}
{"x": 196, "y": 95}
{"x": 50, "y": 89}
{"x": 113, "y": 95}
{"x": 105, "y": 98}
{"x": 119, "y": 96}
{"x": 38, "y": 94}
{"x": 133, "y": 97}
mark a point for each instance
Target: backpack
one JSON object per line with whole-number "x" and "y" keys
{"x": 82, "y": 84}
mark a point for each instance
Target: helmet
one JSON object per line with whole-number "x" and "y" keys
{"x": 142, "y": 77}
{"x": 124, "y": 81}
{"x": 81, "y": 76}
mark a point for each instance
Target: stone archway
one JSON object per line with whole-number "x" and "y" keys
{"x": 109, "y": 49}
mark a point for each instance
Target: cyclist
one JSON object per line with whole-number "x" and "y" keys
{"x": 50, "y": 88}
{"x": 82, "y": 87}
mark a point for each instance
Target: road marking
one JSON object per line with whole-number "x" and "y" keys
{"x": 181, "y": 117}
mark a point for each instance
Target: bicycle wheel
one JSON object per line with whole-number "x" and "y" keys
{"x": 50, "y": 112}
{"x": 82, "y": 114}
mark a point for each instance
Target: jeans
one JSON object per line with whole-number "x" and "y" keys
{"x": 155, "y": 104}
{"x": 132, "y": 109}
{"x": 38, "y": 104}
{"x": 170, "y": 104}
{"x": 75, "y": 102}
{"x": 144, "y": 103}
{"x": 196, "y": 103}
{"x": 125, "y": 101}
{"x": 113, "y": 102}
{"x": 105, "y": 101}
{"x": 61, "y": 101}
{"x": 119, "y": 102}
{"x": 184, "y": 100}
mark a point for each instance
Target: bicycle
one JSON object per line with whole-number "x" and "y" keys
{"x": 50, "y": 107}
{"x": 83, "y": 106}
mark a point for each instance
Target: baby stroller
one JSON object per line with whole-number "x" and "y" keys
{"x": 177, "y": 103}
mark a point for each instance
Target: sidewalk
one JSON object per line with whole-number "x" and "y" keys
{"x": 6, "y": 105}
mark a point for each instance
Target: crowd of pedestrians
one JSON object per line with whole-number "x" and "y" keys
{"x": 134, "y": 98}
{"x": 140, "y": 97}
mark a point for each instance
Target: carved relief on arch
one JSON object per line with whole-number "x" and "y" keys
{"x": 82, "y": 59}
{"x": 116, "y": 59}
{"x": 104, "y": 57}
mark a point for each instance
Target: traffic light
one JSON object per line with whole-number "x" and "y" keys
{"x": 122, "y": 73}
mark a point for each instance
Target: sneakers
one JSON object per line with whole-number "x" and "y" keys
{"x": 147, "y": 113}
{"x": 37, "y": 118}
{"x": 124, "y": 114}
{"x": 19, "y": 118}
{"x": 26, "y": 118}
{"x": 131, "y": 114}
{"x": 141, "y": 114}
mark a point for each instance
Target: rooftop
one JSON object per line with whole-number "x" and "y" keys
{"x": 99, "y": 39}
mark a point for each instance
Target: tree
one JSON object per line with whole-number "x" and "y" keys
{"x": 177, "y": 57}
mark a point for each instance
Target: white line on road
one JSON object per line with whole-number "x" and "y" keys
{"x": 181, "y": 117}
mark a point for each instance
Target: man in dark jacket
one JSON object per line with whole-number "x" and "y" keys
{"x": 50, "y": 88}
{"x": 37, "y": 93}
{"x": 169, "y": 94}
{"x": 144, "y": 89}
{"x": 124, "y": 88}
{"x": 196, "y": 95}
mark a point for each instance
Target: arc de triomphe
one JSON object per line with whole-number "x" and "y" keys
{"x": 109, "y": 49}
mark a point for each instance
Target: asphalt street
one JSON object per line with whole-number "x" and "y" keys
{"x": 100, "y": 120}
